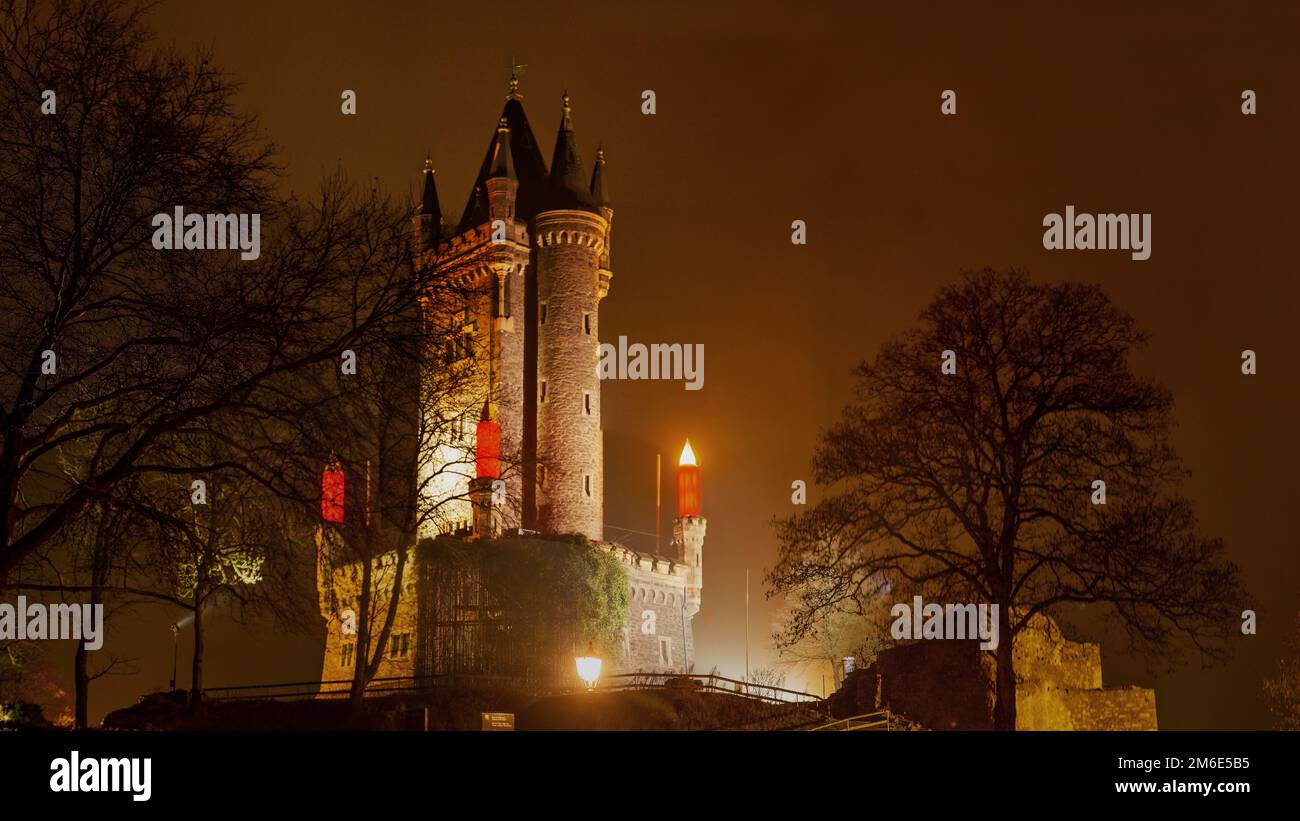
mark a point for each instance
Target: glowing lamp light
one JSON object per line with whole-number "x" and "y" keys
{"x": 487, "y": 460}
{"x": 331, "y": 493}
{"x": 589, "y": 667}
{"x": 688, "y": 483}
{"x": 688, "y": 455}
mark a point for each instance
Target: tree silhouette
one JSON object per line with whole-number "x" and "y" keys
{"x": 147, "y": 344}
{"x": 978, "y": 485}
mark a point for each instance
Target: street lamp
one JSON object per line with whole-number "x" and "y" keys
{"x": 175, "y": 630}
{"x": 589, "y": 667}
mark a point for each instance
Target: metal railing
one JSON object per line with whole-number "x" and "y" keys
{"x": 710, "y": 682}
{"x": 395, "y": 685}
{"x": 879, "y": 720}
{"x": 341, "y": 688}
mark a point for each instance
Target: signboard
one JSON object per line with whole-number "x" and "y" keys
{"x": 498, "y": 721}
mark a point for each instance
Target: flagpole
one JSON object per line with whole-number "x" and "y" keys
{"x": 747, "y": 628}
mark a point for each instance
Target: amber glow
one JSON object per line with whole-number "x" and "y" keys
{"x": 331, "y": 497}
{"x": 589, "y": 669}
{"x": 488, "y": 455}
{"x": 688, "y": 483}
{"x": 688, "y": 455}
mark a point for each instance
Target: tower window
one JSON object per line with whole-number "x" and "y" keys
{"x": 348, "y": 650}
{"x": 665, "y": 650}
{"x": 542, "y": 314}
{"x": 586, "y": 403}
{"x": 467, "y": 339}
{"x": 542, "y": 398}
{"x": 399, "y": 645}
{"x": 586, "y": 483}
{"x": 586, "y": 324}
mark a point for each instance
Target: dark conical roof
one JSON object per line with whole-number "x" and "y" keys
{"x": 525, "y": 158}
{"x": 598, "y": 179}
{"x": 429, "y": 202}
{"x": 476, "y": 212}
{"x": 502, "y": 165}
{"x": 568, "y": 186}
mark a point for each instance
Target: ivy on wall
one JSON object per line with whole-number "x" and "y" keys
{"x": 560, "y": 582}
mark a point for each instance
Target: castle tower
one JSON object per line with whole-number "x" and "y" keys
{"x": 570, "y": 234}
{"x": 427, "y": 222}
{"x": 689, "y": 528}
{"x": 508, "y": 260}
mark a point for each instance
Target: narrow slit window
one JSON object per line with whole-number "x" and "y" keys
{"x": 542, "y": 314}
{"x": 586, "y": 324}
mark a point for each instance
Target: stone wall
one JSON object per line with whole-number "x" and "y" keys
{"x": 1055, "y": 708}
{"x": 653, "y": 635}
{"x": 944, "y": 685}
{"x": 341, "y": 592}
{"x": 658, "y": 587}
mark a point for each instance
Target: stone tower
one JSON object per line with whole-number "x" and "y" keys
{"x": 689, "y": 529}
{"x": 529, "y": 259}
{"x": 570, "y": 235}
{"x": 533, "y": 247}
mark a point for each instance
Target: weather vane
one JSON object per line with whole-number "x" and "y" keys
{"x": 515, "y": 70}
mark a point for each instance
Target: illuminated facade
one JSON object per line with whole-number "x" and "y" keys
{"x": 532, "y": 252}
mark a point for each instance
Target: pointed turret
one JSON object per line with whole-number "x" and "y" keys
{"x": 502, "y": 185}
{"x": 429, "y": 205}
{"x": 568, "y": 183}
{"x": 502, "y": 165}
{"x": 598, "y": 179}
{"x": 600, "y": 193}
{"x": 428, "y": 220}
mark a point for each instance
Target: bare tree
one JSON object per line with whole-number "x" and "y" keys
{"x": 849, "y": 628}
{"x": 86, "y": 558}
{"x": 980, "y": 483}
{"x": 222, "y": 552}
{"x": 404, "y": 433}
{"x": 112, "y": 348}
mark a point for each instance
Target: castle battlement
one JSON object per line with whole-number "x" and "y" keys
{"x": 647, "y": 562}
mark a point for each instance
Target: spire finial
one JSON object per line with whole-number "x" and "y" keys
{"x": 428, "y": 165}
{"x": 566, "y": 120}
{"x": 515, "y": 70}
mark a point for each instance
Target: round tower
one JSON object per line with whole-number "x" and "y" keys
{"x": 569, "y": 234}
{"x": 689, "y": 528}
